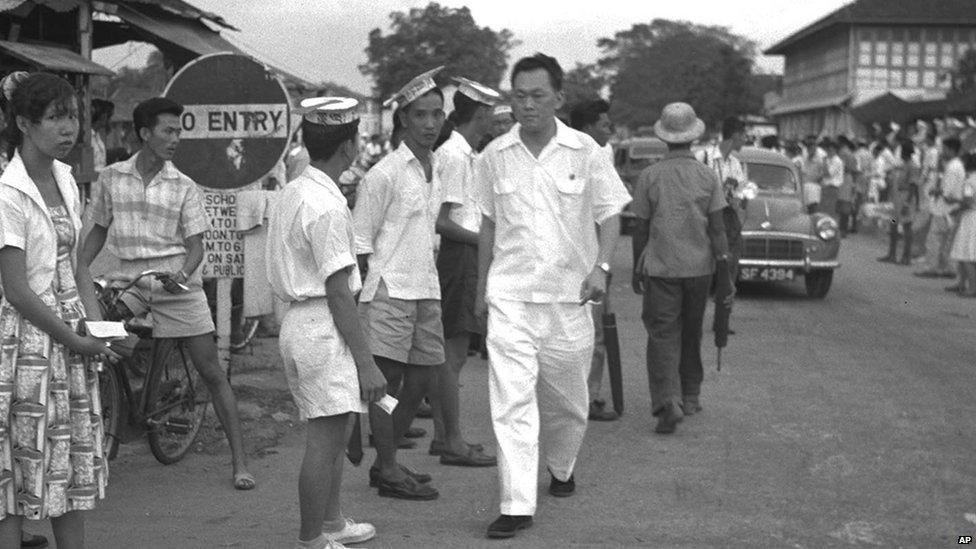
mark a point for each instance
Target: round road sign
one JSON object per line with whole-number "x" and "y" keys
{"x": 236, "y": 122}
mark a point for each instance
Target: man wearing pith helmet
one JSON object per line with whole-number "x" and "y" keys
{"x": 396, "y": 209}
{"x": 551, "y": 201}
{"x": 457, "y": 266}
{"x": 326, "y": 357}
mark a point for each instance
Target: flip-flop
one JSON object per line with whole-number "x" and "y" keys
{"x": 244, "y": 481}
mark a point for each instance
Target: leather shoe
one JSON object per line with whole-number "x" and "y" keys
{"x": 690, "y": 405}
{"x": 471, "y": 458}
{"x": 406, "y": 488}
{"x": 668, "y": 418}
{"x": 415, "y": 432}
{"x": 505, "y": 526}
{"x": 374, "y": 475}
{"x": 599, "y": 413}
{"x": 33, "y": 541}
{"x": 437, "y": 447}
{"x": 561, "y": 488}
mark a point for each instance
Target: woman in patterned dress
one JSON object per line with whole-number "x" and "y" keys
{"x": 51, "y": 462}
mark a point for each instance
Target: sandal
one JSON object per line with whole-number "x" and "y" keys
{"x": 244, "y": 481}
{"x": 472, "y": 458}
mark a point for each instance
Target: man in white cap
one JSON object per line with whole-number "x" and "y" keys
{"x": 396, "y": 209}
{"x": 551, "y": 201}
{"x": 502, "y": 120}
{"x": 326, "y": 356}
{"x": 679, "y": 243}
{"x": 457, "y": 266}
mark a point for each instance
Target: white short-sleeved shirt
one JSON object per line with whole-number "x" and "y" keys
{"x": 953, "y": 177}
{"x": 394, "y": 221}
{"x": 310, "y": 238}
{"x": 545, "y": 212}
{"x": 25, "y": 222}
{"x": 455, "y": 166}
{"x": 835, "y": 172}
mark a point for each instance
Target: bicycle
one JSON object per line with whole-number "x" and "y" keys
{"x": 171, "y": 403}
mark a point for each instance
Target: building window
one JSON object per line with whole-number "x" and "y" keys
{"x": 881, "y": 54}
{"x": 931, "y": 54}
{"x": 896, "y": 79}
{"x": 880, "y": 78}
{"x": 911, "y": 79}
{"x": 897, "y": 54}
{"x": 865, "y": 53}
{"x": 948, "y": 60}
{"x": 928, "y": 79}
{"x": 913, "y": 51}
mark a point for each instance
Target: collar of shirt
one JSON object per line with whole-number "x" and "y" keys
{"x": 405, "y": 154}
{"x": 15, "y": 175}
{"x": 322, "y": 178}
{"x": 564, "y": 137}
{"x": 680, "y": 153}
{"x": 168, "y": 171}
{"x": 457, "y": 140}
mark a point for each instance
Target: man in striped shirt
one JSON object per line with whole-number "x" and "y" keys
{"x": 154, "y": 215}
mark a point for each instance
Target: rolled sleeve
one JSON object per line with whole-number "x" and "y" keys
{"x": 642, "y": 206}
{"x": 193, "y": 217}
{"x": 367, "y": 214}
{"x": 609, "y": 193}
{"x": 13, "y": 221}
{"x": 483, "y": 187}
{"x": 327, "y": 234}
{"x": 451, "y": 171}
{"x": 100, "y": 207}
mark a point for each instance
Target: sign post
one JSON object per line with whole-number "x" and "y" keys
{"x": 236, "y": 125}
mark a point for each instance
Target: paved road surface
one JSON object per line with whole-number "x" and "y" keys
{"x": 834, "y": 423}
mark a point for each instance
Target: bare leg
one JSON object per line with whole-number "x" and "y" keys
{"x": 317, "y": 481}
{"x": 10, "y": 531}
{"x": 416, "y": 384}
{"x": 444, "y": 398}
{"x": 381, "y": 423}
{"x": 333, "y": 509}
{"x": 203, "y": 352}
{"x": 69, "y": 530}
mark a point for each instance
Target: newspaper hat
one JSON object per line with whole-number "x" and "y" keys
{"x": 679, "y": 124}
{"x": 330, "y": 111}
{"x": 502, "y": 108}
{"x": 415, "y": 88}
{"x": 477, "y": 91}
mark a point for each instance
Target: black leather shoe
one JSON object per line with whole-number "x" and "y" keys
{"x": 374, "y": 475}
{"x": 505, "y": 526}
{"x": 599, "y": 413}
{"x": 34, "y": 541}
{"x": 407, "y": 488}
{"x": 561, "y": 489}
{"x": 668, "y": 418}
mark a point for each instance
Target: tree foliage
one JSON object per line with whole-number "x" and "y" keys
{"x": 584, "y": 82}
{"x": 424, "y": 38}
{"x": 653, "y": 64}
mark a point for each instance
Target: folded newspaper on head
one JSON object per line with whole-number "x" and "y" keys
{"x": 106, "y": 329}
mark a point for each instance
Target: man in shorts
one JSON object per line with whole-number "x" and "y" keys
{"x": 396, "y": 209}
{"x": 311, "y": 265}
{"x": 457, "y": 266}
{"x": 154, "y": 215}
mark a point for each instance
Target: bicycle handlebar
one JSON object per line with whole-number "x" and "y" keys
{"x": 143, "y": 274}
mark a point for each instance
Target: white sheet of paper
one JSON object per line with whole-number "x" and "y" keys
{"x": 106, "y": 329}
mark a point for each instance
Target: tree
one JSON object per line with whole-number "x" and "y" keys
{"x": 651, "y": 65}
{"x": 424, "y": 38}
{"x": 582, "y": 83}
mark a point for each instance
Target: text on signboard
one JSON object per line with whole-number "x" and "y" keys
{"x": 234, "y": 121}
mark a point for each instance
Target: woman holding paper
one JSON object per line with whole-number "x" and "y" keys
{"x": 51, "y": 463}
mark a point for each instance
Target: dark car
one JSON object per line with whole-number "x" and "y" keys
{"x": 780, "y": 240}
{"x": 630, "y": 157}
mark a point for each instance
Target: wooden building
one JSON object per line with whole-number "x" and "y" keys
{"x": 865, "y": 51}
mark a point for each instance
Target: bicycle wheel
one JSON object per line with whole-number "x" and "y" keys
{"x": 176, "y": 402}
{"x": 110, "y": 393}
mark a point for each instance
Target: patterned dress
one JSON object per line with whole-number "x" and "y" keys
{"x": 51, "y": 459}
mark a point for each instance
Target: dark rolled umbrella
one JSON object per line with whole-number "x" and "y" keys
{"x": 354, "y": 448}
{"x": 612, "y": 343}
{"x": 720, "y": 324}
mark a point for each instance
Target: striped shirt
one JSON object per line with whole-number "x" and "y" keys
{"x": 147, "y": 221}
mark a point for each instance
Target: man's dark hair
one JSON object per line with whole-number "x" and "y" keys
{"x": 446, "y": 130}
{"x": 907, "y": 149}
{"x": 322, "y": 142}
{"x": 146, "y": 114}
{"x": 969, "y": 162}
{"x": 769, "y": 142}
{"x": 465, "y": 108}
{"x": 731, "y": 126}
{"x": 540, "y": 61}
{"x": 952, "y": 143}
{"x": 100, "y": 108}
{"x": 587, "y": 113}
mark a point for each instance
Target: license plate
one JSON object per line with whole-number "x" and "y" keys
{"x": 769, "y": 274}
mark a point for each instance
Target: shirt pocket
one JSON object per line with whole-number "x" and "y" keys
{"x": 410, "y": 204}
{"x": 506, "y": 198}
{"x": 570, "y": 190}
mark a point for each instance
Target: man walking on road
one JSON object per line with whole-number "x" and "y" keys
{"x": 154, "y": 214}
{"x": 591, "y": 118}
{"x": 457, "y": 266}
{"x": 396, "y": 210}
{"x": 326, "y": 358}
{"x": 945, "y": 197}
{"x": 551, "y": 201}
{"x": 679, "y": 242}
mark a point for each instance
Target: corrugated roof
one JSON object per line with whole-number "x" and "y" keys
{"x": 183, "y": 9}
{"x": 886, "y": 12}
{"x": 51, "y": 58}
{"x": 190, "y": 35}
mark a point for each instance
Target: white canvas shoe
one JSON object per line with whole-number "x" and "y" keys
{"x": 352, "y": 532}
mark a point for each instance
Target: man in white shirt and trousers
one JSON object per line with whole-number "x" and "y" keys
{"x": 551, "y": 201}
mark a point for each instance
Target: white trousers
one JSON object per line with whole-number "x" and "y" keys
{"x": 538, "y": 357}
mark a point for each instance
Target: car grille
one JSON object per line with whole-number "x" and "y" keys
{"x": 772, "y": 248}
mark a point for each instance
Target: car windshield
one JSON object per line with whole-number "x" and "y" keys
{"x": 769, "y": 177}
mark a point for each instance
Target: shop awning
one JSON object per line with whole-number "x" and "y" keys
{"x": 53, "y": 59}
{"x": 788, "y": 106}
{"x": 188, "y": 34}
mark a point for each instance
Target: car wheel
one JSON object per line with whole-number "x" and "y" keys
{"x": 818, "y": 282}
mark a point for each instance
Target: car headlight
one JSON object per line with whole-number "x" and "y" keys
{"x": 827, "y": 228}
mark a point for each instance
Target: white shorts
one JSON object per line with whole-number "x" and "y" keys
{"x": 318, "y": 363}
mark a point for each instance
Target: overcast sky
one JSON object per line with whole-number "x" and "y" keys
{"x": 324, "y": 39}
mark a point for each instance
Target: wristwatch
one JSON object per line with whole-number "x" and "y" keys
{"x": 605, "y": 267}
